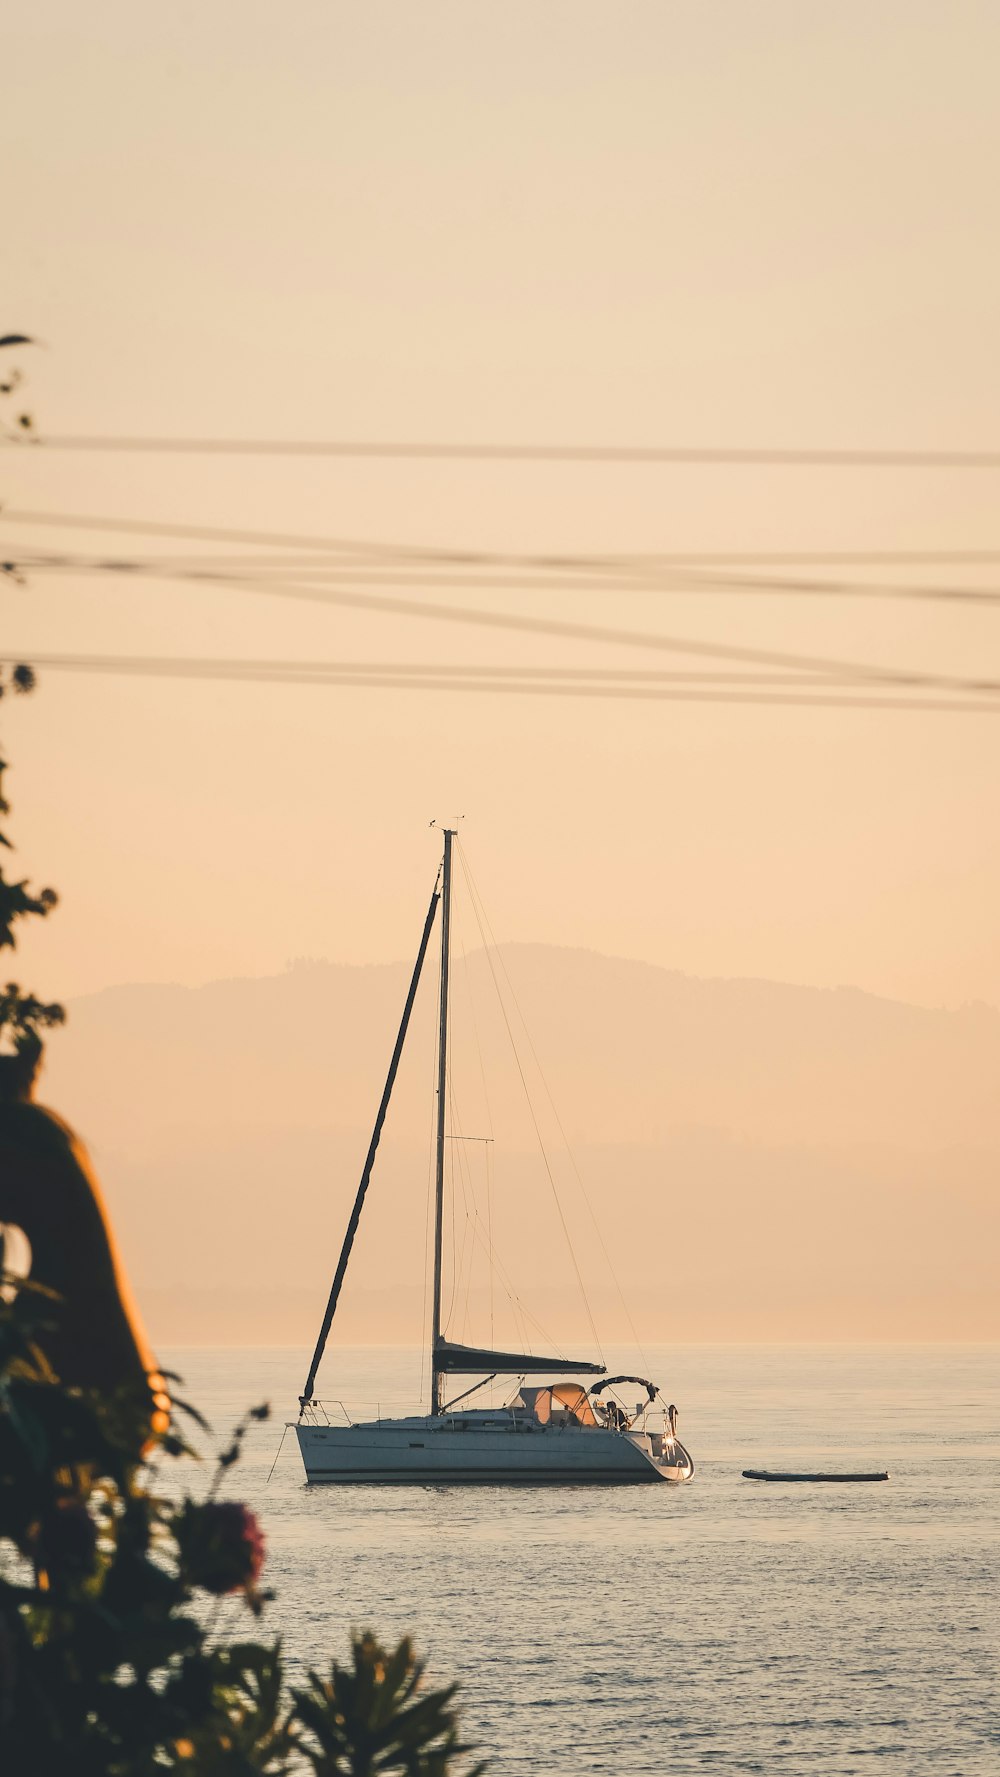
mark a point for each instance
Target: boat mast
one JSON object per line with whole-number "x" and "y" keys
{"x": 442, "y": 1084}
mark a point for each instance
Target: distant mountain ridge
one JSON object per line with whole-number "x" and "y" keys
{"x": 836, "y": 1152}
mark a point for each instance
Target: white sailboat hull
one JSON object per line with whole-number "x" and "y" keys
{"x": 551, "y": 1434}
{"x": 467, "y": 1450}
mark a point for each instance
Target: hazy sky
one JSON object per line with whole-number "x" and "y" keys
{"x": 737, "y": 224}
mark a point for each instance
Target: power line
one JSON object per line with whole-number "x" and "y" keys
{"x": 419, "y": 450}
{"x": 415, "y": 552}
{"x": 859, "y": 672}
{"x": 293, "y": 670}
{"x": 205, "y": 533}
{"x": 675, "y": 582}
{"x": 373, "y": 675}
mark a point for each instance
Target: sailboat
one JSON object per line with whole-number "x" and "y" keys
{"x": 555, "y": 1429}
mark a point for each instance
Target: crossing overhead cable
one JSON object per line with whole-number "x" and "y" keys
{"x": 555, "y": 560}
{"x": 675, "y": 581}
{"x": 862, "y": 673}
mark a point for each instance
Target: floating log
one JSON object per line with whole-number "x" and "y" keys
{"x": 760, "y": 1474}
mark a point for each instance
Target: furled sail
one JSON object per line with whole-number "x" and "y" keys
{"x": 473, "y": 1360}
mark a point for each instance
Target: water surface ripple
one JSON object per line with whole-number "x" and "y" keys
{"x": 728, "y": 1626}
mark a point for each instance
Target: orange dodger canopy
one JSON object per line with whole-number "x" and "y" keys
{"x": 567, "y": 1398}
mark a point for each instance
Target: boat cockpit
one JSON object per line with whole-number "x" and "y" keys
{"x": 569, "y": 1403}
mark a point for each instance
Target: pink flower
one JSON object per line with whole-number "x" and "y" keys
{"x": 221, "y": 1545}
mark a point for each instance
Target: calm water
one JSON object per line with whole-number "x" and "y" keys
{"x": 725, "y": 1626}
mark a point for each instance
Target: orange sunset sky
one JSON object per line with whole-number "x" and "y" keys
{"x": 733, "y": 225}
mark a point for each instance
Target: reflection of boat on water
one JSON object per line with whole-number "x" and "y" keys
{"x": 556, "y": 1430}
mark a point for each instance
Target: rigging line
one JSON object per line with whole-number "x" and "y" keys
{"x": 468, "y": 1195}
{"x": 371, "y": 681}
{"x": 466, "y": 1171}
{"x": 445, "y": 1318}
{"x": 464, "y": 1174}
{"x": 503, "y": 620}
{"x": 455, "y": 1161}
{"x": 457, "y": 1254}
{"x": 522, "y": 1316}
{"x": 690, "y": 582}
{"x": 489, "y": 1250}
{"x": 425, "y": 1336}
{"x": 531, "y": 1109}
{"x": 451, "y": 1157}
{"x": 470, "y": 998}
{"x": 474, "y": 891}
{"x": 477, "y": 1222}
{"x": 423, "y": 450}
{"x": 277, "y": 1453}
{"x": 489, "y": 1233}
{"x": 605, "y": 561}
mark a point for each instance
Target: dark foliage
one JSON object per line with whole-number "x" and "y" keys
{"x": 22, "y": 1015}
{"x": 109, "y": 1666}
